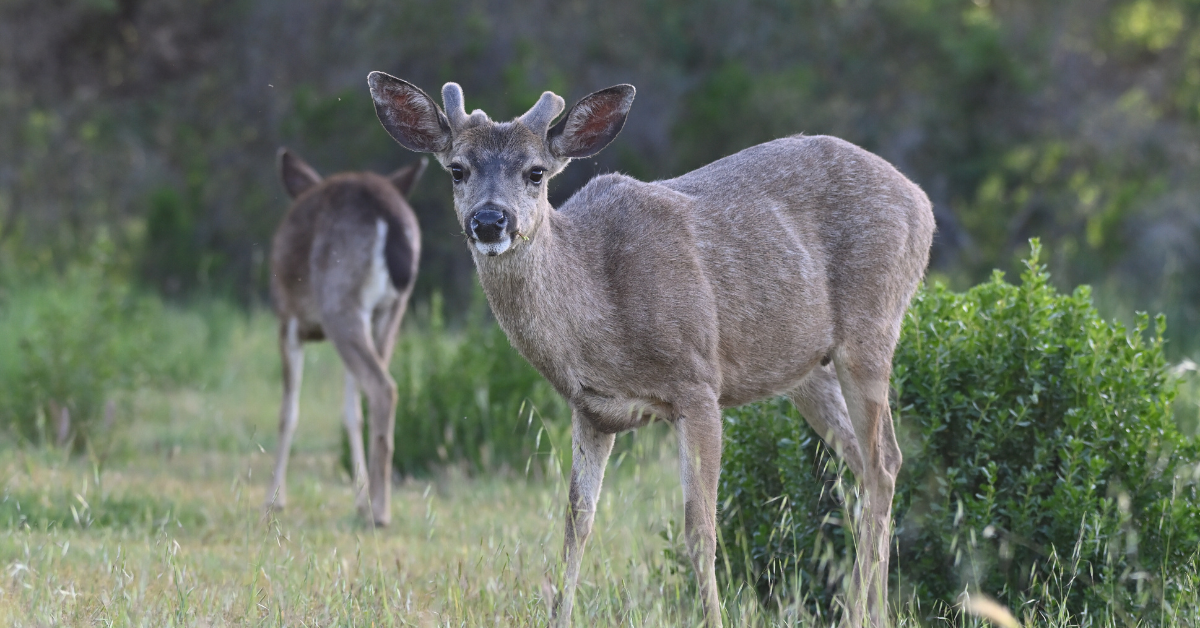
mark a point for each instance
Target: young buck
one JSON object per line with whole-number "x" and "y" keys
{"x": 343, "y": 263}
{"x": 783, "y": 269}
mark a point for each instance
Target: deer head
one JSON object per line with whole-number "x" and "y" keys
{"x": 500, "y": 169}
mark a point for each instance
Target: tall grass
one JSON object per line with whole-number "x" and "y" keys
{"x": 181, "y": 542}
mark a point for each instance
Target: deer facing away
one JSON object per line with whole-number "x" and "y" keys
{"x": 343, "y": 264}
{"x": 783, "y": 269}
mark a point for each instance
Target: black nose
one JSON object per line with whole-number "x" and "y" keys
{"x": 488, "y": 225}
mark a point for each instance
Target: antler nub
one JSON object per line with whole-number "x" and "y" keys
{"x": 544, "y": 112}
{"x": 452, "y": 100}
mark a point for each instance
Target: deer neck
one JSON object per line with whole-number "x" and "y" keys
{"x": 538, "y": 292}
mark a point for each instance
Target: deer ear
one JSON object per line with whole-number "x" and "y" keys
{"x": 409, "y": 114}
{"x": 592, "y": 123}
{"x": 405, "y": 178}
{"x": 297, "y": 176}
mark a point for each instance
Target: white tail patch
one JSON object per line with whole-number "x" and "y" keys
{"x": 378, "y": 285}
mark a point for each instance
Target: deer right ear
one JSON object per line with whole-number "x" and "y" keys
{"x": 592, "y": 123}
{"x": 297, "y": 176}
{"x": 409, "y": 114}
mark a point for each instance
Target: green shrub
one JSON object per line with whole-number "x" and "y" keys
{"x": 466, "y": 397}
{"x": 75, "y": 341}
{"x": 1041, "y": 461}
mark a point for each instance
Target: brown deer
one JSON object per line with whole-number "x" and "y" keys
{"x": 343, "y": 264}
{"x": 783, "y": 269}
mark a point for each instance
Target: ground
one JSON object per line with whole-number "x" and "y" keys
{"x": 160, "y": 523}
{"x": 164, "y": 526}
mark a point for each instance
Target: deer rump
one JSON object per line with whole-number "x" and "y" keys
{"x": 382, "y": 202}
{"x": 359, "y": 208}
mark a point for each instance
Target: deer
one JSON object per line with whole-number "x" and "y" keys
{"x": 783, "y": 269}
{"x": 343, "y": 264}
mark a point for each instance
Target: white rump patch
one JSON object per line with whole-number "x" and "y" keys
{"x": 378, "y": 284}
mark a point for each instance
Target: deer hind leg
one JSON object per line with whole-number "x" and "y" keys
{"x": 351, "y": 334}
{"x": 864, "y": 376}
{"x": 590, "y": 450}
{"x": 385, "y": 326}
{"x": 819, "y": 400}
{"x": 292, "y": 354}
{"x": 699, "y": 429}
{"x": 352, "y": 417}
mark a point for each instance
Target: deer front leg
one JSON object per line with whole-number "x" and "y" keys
{"x": 589, "y": 454}
{"x": 292, "y": 354}
{"x": 699, "y": 428}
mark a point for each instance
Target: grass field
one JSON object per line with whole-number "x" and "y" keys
{"x": 161, "y": 525}
{"x": 164, "y": 525}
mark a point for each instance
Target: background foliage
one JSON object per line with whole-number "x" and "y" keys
{"x": 1041, "y": 462}
{"x": 78, "y": 341}
{"x": 1074, "y": 121}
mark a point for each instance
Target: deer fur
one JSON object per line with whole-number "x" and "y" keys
{"x": 343, "y": 264}
{"x": 783, "y": 269}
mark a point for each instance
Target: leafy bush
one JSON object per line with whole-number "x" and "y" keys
{"x": 1041, "y": 461}
{"x": 467, "y": 397}
{"x": 72, "y": 342}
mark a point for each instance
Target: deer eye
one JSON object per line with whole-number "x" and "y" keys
{"x": 456, "y": 171}
{"x": 535, "y": 175}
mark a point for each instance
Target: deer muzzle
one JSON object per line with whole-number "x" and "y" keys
{"x": 490, "y": 225}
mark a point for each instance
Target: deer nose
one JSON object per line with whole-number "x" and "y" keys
{"x": 488, "y": 225}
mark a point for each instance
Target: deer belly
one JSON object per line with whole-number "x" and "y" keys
{"x": 767, "y": 360}
{"x": 613, "y": 413}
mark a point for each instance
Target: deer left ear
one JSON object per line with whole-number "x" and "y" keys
{"x": 592, "y": 123}
{"x": 405, "y": 178}
{"x": 297, "y": 176}
{"x": 409, "y": 114}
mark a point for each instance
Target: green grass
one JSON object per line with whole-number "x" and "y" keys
{"x": 478, "y": 552}
{"x": 165, "y": 528}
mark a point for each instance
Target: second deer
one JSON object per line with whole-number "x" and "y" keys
{"x": 343, "y": 264}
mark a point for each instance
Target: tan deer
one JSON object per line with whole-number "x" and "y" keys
{"x": 783, "y": 269}
{"x": 343, "y": 264}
